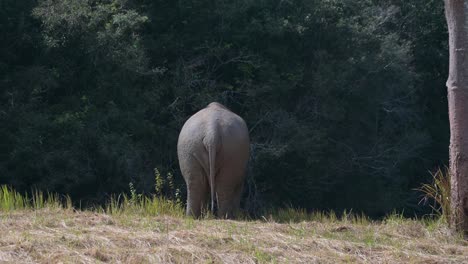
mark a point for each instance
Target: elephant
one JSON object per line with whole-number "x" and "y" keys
{"x": 213, "y": 151}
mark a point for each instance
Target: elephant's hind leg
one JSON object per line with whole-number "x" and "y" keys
{"x": 229, "y": 201}
{"x": 197, "y": 193}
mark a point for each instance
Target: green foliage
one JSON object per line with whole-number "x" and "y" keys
{"x": 166, "y": 186}
{"x": 138, "y": 203}
{"x": 153, "y": 205}
{"x": 345, "y": 100}
{"x": 144, "y": 205}
{"x": 158, "y": 187}
{"x": 12, "y": 200}
{"x": 134, "y": 196}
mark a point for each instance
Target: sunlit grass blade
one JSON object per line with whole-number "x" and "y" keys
{"x": 438, "y": 192}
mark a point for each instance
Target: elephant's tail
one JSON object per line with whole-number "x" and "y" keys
{"x": 212, "y": 162}
{"x": 212, "y": 143}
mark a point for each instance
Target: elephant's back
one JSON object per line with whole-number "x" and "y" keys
{"x": 216, "y": 125}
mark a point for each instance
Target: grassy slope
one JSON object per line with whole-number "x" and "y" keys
{"x": 53, "y": 235}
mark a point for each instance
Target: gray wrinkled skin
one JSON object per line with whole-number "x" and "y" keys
{"x": 213, "y": 151}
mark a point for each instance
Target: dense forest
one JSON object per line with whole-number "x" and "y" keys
{"x": 345, "y": 100}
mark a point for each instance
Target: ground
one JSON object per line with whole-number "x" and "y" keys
{"x": 53, "y": 235}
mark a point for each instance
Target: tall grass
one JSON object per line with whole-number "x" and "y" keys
{"x": 121, "y": 204}
{"x": 133, "y": 203}
{"x": 437, "y": 193}
{"x": 154, "y": 205}
{"x": 139, "y": 204}
{"x": 13, "y": 200}
{"x": 290, "y": 214}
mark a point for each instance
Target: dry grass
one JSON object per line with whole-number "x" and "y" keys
{"x": 54, "y": 235}
{"x": 438, "y": 192}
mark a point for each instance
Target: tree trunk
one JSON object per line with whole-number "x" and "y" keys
{"x": 456, "y": 12}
